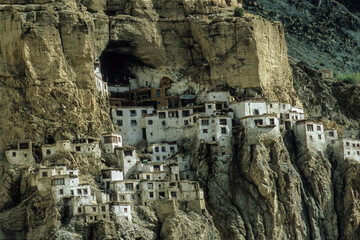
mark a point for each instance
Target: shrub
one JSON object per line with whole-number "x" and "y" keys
{"x": 238, "y": 12}
{"x": 349, "y": 78}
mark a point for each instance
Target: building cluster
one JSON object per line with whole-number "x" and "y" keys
{"x": 151, "y": 165}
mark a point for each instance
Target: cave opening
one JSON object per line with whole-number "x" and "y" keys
{"x": 116, "y": 67}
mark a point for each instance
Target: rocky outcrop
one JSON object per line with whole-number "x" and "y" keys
{"x": 323, "y": 34}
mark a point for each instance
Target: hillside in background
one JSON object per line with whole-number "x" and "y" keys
{"x": 324, "y": 34}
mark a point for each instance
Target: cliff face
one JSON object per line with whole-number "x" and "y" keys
{"x": 268, "y": 190}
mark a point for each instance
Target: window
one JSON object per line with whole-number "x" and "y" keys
{"x": 348, "y": 153}
{"x": 14, "y": 154}
{"x": 78, "y": 149}
{"x": 44, "y": 174}
{"x": 125, "y": 210}
{"x": 331, "y": 134}
{"x": 332, "y": 141}
{"x": 148, "y": 177}
{"x": 128, "y": 153}
{"x": 173, "y": 194}
{"x": 270, "y": 105}
{"x": 347, "y": 144}
{"x": 157, "y": 168}
{"x": 194, "y": 119}
{"x": 132, "y": 113}
{"x": 258, "y": 122}
{"x": 133, "y": 122}
{"x": 150, "y": 186}
{"x": 61, "y": 191}
{"x": 309, "y": 127}
{"x": 311, "y": 138}
{"x": 287, "y": 116}
{"x": 79, "y": 209}
{"x": 185, "y": 113}
{"x": 205, "y": 131}
{"x": 223, "y": 122}
{"x": 79, "y": 191}
{"x": 59, "y": 181}
{"x": 103, "y": 208}
{"x": 358, "y": 153}
{"x": 161, "y": 194}
{"x": 162, "y": 115}
{"x": 110, "y": 139}
{"x": 283, "y": 106}
{"x": 156, "y": 149}
{"x": 256, "y": 111}
{"x": 272, "y": 121}
{"x": 164, "y": 157}
{"x": 72, "y": 192}
{"x": 358, "y": 145}
{"x": 319, "y": 136}
{"x": 319, "y": 128}
{"x": 186, "y": 122}
{"x": 150, "y": 122}
{"x": 119, "y": 113}
{"x": 129, "y": 187}
{"x": 223, "y": 130}
{"x": 213, "y": 138}
{"x": 85, "y": 191}
{"x": 94, "y": 209}
{"x": 163, "y": 149}
{"x": 158, "y": 93}
{"x": 157, "y": 158}
{"x": 173, "y": 114}
{"x": 151, "y": 194}
{"x": 163, "y": 123}
{"x": 172, "y": 149}
{"x": 48, "y": 151}
{"x": 143, "y": 112}
{"x": 353, "y": 144}
{"x": 119, "y": 123}
{"x": 24, "y": 145}
{"x": 205, "y": 122}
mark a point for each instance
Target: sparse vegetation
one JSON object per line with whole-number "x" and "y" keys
{"x": 349, "y": 78}
{"x": 239, "y": 12}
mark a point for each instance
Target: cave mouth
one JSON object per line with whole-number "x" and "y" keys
{"x": 116, "y": 67}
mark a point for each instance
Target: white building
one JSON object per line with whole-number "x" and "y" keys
{"x": 169, "y": 125}
{"x": 130, "y": 123}
{"x": 348, "y": 148}
{"x": 96, "y": 212}
{"x": 48, "y": 150}
{"x": 101, "y": 86}
{"x": 331, "y": 136}
{"x": 88, "y": 146}
{"x": 110, "y": 175}
{"x": 219, "y": 97}
{"x": 215, "y": 130}
{"x": 258, "y": 125}
{"x": 122, "y": 211}
{"x": 162, "y": 152}
{"x": 68, "y": 186}
{"x": 285, "y": 113}
{"x": 127, "y": 159}
{"x": 310, "y": 134}
{"x": 111, "y": 140}
{"x": 22, "y": 156}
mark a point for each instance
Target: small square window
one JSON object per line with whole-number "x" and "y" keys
{"x": 61, "y": 191}
{"x": 119, "y": 113}
{"x": 133, "y": 122}
{"x": 14, "y": 154}
{"x": 205, "y": 131}
{"x": 119, "y": 123}
{"x": 78, "y": 149}
{"x": 44, "y": 174}
{"x": 223, "y": 130}
{"x": 156, "y": 149}
{"x": 319, "y": 128}
{"x": 132, "y": 113}
{"x": 319, "y": 137}
{"x": 151, "y": 194}
{"x": 150, "y": 122}
{"x": 163, "y": 149}
{"x": 103, "y": 208}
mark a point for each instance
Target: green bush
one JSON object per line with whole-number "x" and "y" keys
{"x": 349, "y": 78}
{"x": 239, "y": 12}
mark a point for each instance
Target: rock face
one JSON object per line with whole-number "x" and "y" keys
{"x": 269, "y": 190}
{"x": 322, "y": 33}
